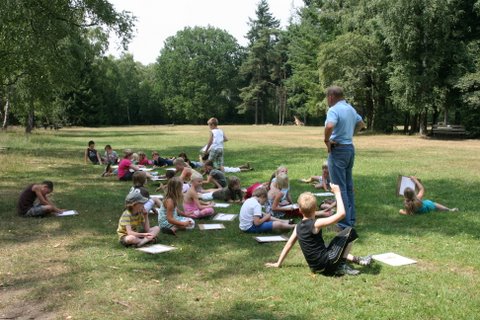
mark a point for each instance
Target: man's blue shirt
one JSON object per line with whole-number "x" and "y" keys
{"x": 344, "y": 118}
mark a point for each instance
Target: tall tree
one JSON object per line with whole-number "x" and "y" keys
{"x": 197, "y": 74}
{"x": 40, "y": 43}
{"x": 259, "y": 94}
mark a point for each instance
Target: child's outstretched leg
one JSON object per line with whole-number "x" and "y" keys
{"x": 441, "y": 207}
{"x": 202, "y": 213}
{"x": 278, "y": 225}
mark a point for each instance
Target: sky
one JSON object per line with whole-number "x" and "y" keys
{"x": 159, "y": 19}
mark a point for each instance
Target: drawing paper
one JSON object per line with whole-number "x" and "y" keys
{"x": 393, "y": 259}
{"x": 279, "y": 238}
{"x": 156, "y": 248}
{"x": 67, "y": 213}
{"x": 291, "y": 206}
{"x": 211, "y": 226}
{"x": 323, "y": 194}
{"x": 222, "y": 205}
{"x": 225, "y": 217}
{"x": 403, "y": 183}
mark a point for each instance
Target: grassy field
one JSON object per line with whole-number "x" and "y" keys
{"x": 74, "y": 268}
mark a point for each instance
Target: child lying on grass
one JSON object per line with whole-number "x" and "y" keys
{"x": 414, "y": 203}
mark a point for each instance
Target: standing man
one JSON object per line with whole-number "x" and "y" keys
{"x": 341, "y": 124}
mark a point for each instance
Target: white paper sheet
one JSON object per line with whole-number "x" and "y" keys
{"x": 156, "y": 248}
{"x": 393, "y": 259}
{"x": 405, "y": 182}
{"x": 323, "y": 194}
{"x": 211, "y": 226}
{"x": 159, "y": 179}
{"x": 67, "y": 213}
{"x": 222, "y": 205}
{"x": 159, "y": 196}
{"x": 145, "y": 169}
{"x": 170, "y": 169}
{"x": 225, "y": 217}
{"x": 271, "y": 238}
{"x": 290, "y": 206}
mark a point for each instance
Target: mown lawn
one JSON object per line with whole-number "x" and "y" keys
{"x": 74, "y": 268}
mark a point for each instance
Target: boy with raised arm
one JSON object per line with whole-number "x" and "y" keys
{"x": 331, "y": 259}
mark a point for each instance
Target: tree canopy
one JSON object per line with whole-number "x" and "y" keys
{"x": 407, "y": 62}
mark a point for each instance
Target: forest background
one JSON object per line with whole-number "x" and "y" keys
{"x": 411, "y": 63}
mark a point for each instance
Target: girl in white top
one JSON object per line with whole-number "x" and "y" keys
{"x": 215, "y": 144}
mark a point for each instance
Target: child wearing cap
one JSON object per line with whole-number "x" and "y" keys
{"x": 134, "y": 226}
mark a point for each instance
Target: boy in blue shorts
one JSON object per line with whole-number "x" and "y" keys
{"x": 253, "y": 220}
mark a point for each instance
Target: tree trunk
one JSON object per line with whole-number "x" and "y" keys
{"x": 6, "y": 111}
{"x": 406, "y": 123}
{"x": 31, "y": 117}
{"x": 256, "y": 110}
{"x": 445, "y": 116}
{"x": 423, "y": 122}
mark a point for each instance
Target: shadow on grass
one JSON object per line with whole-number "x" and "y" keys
{"x": 101, "y": 134}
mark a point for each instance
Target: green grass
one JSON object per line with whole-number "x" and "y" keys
{"x": 74, "y": 267}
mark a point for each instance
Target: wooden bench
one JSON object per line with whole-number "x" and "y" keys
{"x": 449, "y": 130}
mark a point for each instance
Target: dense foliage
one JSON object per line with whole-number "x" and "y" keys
{"x": 407, "y": 62}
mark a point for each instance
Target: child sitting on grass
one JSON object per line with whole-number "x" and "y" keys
{"x": 170, "y": 218}
{"x": 253, "y": 220}
{"x": 214, "y": 176}
{"x": 126, "y": 167}
{"x": 34, "y": 202}
{"x": 192, "y": 205}
{"x": 414, "y": 203}
{"x": 111, "y": 156}
{"x": 331, "y": 259}
{"x": 134, "y": 226}
{"x": 277, "y": 202}
{"x": 92, "y": 154}
{"x": 139, "y": 179}
{"x": 143, "y": 160}
{"x": 323, "y": 180}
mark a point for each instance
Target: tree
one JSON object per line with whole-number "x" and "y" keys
{"x": 197, "y": 74}
{"x": 259, "y": 64}
{"x": 41, "y": 44}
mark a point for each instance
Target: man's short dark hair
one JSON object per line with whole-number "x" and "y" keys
{"x": 49, "y": 184}
{"x": 91, "y": 142}
{"x": 335, "y": 91}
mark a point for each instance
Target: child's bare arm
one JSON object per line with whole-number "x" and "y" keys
{"x": 286, "y": 249}
{"x": 44, "y": 200}
{"x": 130, "y": 232}
{"x": 421, "y": 188}
{"x": 85, "y": 156}
{"x": 170, "y": 208}
{"x": 210, "y": 141}
{"x": 339, "y": 215}
{"x": 259, "y": 220}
